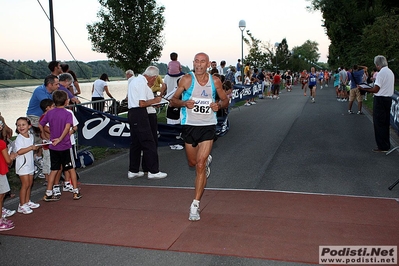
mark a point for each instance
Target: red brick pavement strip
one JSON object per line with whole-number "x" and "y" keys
{"x": 253, "y": 224}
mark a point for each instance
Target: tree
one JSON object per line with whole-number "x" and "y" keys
{"x": 267, "y": 56}
{"x": 305, "y": 55}
{"x": 282, "y": 55}
{"x": 257, "y": 55}
{"x": 262, "y": 56}
{"x": 23, "y": 72}
{"x": 372, "y": 43}
{"x": 345, "y": 21}
{"x": 129, "y": 32}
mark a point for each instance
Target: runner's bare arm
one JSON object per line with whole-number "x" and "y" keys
{"x": 184, "y": 84}
{"x": 224, "y": 101}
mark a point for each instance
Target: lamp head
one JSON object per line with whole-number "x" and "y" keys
{"x": 242, "y": 25}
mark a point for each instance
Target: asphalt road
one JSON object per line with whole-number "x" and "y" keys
{"x": 288, "y": 144}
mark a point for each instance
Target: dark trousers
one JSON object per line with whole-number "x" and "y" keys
{"x": 381, "y": 120}
{"x": 98, "y": 106}
{"x": 143, "y": 128}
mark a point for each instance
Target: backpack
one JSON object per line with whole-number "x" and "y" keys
{"x": 85, "y": 158}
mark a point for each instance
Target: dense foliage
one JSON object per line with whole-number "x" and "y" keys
{"x": 38, "y": 70}
{"x": 279, "y": 56}
{"x": 129, "y": 32}
{"x": 360, "y": 30}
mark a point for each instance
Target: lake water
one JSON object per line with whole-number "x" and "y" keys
{"x": 14, "y": 101}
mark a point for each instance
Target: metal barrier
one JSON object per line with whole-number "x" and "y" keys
{"x": 110, "y": 105}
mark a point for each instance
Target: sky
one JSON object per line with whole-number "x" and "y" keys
{"x": 208, "y": 26}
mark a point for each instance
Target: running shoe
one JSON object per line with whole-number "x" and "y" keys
{"x": 350, "y": 112}
{"x": 158, "y": 175}
{"x": 194, "y": 212}
{"x": 132, "y": 175}
{"x": 208, "y": 168}
{"x": 56, "y": 190}
{"x": 176, "y": 147}
{"x": 359, "y": 112}
{"x": 24, "y": 209}
{"x": 6, "y": 221}
{"x": 5, "y": 226}
{"x": 50, "y": 198}
{"x": 67, "y": 187}
{"x": 33, "y": 205}
{"x": 7, "y": 213}
{"x": 77, "y": 195}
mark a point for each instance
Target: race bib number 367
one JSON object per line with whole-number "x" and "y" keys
{"x": 202, "y": 106}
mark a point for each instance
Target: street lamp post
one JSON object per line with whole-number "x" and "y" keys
{"x": 276, "y": 45}
{"x": 292, "y": 59}
{"x": 242, "y": 26}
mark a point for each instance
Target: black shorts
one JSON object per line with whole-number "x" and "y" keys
{"x": 196, "y": 134}
{"x": 61, "y": 158}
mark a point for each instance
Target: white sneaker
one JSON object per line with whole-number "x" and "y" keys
{"x": 247, "y": 104}
{"x": 7, "y": 213}
{"x": 252, "y": 102}
{"x": 33, "y": 205}
{"x": 209, "y": 160}
{"x": 56, "y": 190}
{"x": 194, "y": 212}
{"x": 208, "y": 168}
{"x": 132, "y": 175}
{"x": 176, "y": 147}
{"x": 24, "y": 209}
{"x": 158, "y": 175}
{"x": 67, "y": 187}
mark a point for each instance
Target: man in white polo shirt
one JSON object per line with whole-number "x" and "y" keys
{"x": 383, "y": 90}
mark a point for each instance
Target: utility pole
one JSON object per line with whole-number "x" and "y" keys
{"x": 53, "y": 55}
